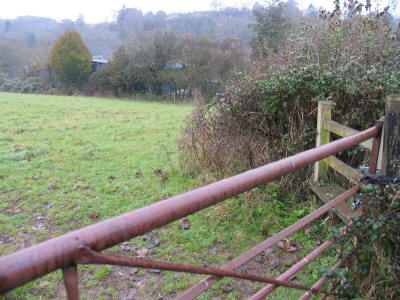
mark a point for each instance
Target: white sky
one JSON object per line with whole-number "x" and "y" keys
{"x": 95, "y": 11}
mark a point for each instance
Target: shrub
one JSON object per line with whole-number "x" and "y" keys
{"x": 25, "y": 85}
{"x": 99, "y": 83}
{"x": 371, "y": 247}
{"x": 70, "y": 59}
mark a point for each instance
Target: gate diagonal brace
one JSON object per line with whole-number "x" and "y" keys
{"x": 89, "y": 256}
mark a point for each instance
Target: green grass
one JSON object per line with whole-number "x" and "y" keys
{"x": 64, "y": 158}
{"x": 82, "y": 154}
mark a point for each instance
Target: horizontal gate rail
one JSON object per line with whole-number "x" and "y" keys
{"x": 64, "y": 252}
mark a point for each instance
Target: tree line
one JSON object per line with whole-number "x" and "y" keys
{"x": 28, "y": 40}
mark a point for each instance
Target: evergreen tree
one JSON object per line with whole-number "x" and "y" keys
{"x": 70, "y": 59}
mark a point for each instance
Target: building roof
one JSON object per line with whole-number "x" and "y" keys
{"x": 99, "y": 59}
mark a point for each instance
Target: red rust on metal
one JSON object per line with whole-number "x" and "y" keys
{"x": 89, "y": 256}
{"x": 70, "y": 275}
{"x": 237, "y": 262}
{"x": 33, "y": 262}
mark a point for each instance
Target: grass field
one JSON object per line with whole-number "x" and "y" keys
{"x": 67, "y": 162}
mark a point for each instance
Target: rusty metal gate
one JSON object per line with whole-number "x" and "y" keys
{"x": 84, "y": 246}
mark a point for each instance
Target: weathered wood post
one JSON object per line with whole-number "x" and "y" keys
{"x": 391, "y": 138}
{"x": 323, "y": 137}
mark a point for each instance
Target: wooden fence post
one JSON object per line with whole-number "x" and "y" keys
{"x": 323, "y": 137}
{"x": 391, "y": 138}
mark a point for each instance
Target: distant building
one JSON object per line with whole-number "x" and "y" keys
{"x": 98, "y": 62}
{"x": 174, "y": 65}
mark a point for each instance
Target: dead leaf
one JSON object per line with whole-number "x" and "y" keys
{"x": 44, "y": 283}
{"x": 163, "y": 174}
{"x": 159, "y": 171}
{"x": 93, "y": 215}
{"x": 141, "y": 253}
{"x": 75, "y": 187}
{"x": 184, "y": 224}
{"x": 139, "y": 173}
{"x": 288, "y": 246}
{"x": 281, "y": 245}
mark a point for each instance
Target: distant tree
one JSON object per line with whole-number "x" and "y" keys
{"x": 70, "y": 59}
{"x": 129, "y": 20}
{"x": 230, "y": 56}
{"x": 121, "y": 75}
{"x": 270, "y": 28}
{"x": 14, "y": 56}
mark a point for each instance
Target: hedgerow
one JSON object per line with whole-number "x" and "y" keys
{"x": 349, "y": 56}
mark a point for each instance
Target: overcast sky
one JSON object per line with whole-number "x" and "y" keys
{"x": 95, "y": 11}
